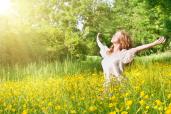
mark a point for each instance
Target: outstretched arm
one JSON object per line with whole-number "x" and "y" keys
{"x": 147, "y": 46}
{"x": 103, "y": 48}
{"x": 98, "y": 41}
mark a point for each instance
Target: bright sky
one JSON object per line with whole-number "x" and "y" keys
{"x": 4, "y": 6}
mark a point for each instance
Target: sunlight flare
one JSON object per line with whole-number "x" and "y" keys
{"x": 4, "y": 6}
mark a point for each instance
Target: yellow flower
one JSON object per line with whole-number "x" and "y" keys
{"x": 9, "y": 107}
{"x": 142, "y": 93}
{"x": 146, "y": 97}
{"x": 57, "y": 107}
{"x": 92, "y": 108}
{"x": 13, "y": 110}
{"x": 117, "y": 110}
{"x": 73, "y": 112}
{"x": 111, "y": 105}
{"x": 142, "y": 102}
{"x": 44, "y": 109}
{"x": 84, "y": 111}
{"x": 24, "y": 112}
{"x": 112, "y": 112}
{"x": 113, "y": 98}
{"x": 147, "y": 107}
{"x": 124, "y": 112}
{"x": 82, "y": 98}
{"x": 129, "y": 102}
{"x": 169, "y": 96}
{"x": 158, "y": 102}
{"x": 168, "y": 110}
{"x": 72, "y": 97}
{"x": 50, "y": 104}
{"x": 155, "y": 107}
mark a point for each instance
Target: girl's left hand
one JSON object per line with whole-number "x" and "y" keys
{"x": 161, "y": 40}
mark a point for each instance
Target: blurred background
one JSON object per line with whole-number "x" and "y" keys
{"x": 53, "y": 30}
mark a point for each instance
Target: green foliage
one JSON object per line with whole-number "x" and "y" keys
{"x": 48, "y": 29}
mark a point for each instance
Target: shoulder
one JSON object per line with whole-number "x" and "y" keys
{"x": 129, "y": 51}
{"x": 132, "y": 50}
{"x": 128, "y": 55}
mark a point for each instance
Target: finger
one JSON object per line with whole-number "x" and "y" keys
{"x": 164, "y": 40}
{"x": 99, "y": 33}
{"x": 161, "y": 39}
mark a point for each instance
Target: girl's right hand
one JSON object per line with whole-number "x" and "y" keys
{"x": 99, "y": 34}
{"x": 161, "y": 40}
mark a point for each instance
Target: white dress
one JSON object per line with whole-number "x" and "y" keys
{"x": 113, "y": 64}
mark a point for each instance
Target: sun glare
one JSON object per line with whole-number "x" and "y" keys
{"x": 4, "y": 6}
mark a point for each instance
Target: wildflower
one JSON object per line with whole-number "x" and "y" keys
{"x": 82, "y": 99}
{"x": 142, "y": 94}
{"x": 24, "y": 112}
{"x": 129, "y": 102}
{"x": 158, "y": 102}
{"x": 142, "y": 102}
{"x": 84, "y": 111}
{"x": 111, "y": 105}
{"x": 72, "y": 97}
{"x": 50, "y": 104}
{"x": 113, "y": 98}
{"x": 13, "y": 110}
{"x": 147, "y": 107}
{"x": 57, "y": 107}
{"x": 146, "y": 97}
{"x": 126, "y": 94}
{"x": 92, "y": 108}
{"x": 9, "y": 107}
{"x": 101, "y": 89}
{"x": 73, "y": 112}
{"x": 112, "y": 112}
{"x": 168, "y": 110}
{"x": 124, "y": 112}
{"x": 44, "y": 109}
{"x": 169, "y": 96}
{"x": 117, "y": 110}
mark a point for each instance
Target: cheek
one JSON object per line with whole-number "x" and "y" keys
{"x": 112, "y": 39}
{"x": 115, "y": 40}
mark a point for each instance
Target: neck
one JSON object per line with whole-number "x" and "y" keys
{"x": 116, "y": 48}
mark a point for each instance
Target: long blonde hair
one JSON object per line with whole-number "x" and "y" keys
{"x": 124, "y": 40}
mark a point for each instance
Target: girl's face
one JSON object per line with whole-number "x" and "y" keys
{"x": 116, "y": 37}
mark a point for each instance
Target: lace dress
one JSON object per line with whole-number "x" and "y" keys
{"x": 113, "y": 64}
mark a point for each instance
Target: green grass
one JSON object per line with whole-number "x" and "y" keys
{"x": 68, "y": 67}
{"x": 147, "y": 86}
{"x": 77, "y": 87}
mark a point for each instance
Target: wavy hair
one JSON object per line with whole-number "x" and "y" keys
{"x": 124, "y": 40}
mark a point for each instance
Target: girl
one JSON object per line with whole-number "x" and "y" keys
{"x": 120, "y": 53}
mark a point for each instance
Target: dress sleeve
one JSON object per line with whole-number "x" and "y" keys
{"x": 128, "y": 56}
{"x": 103, "y": 48}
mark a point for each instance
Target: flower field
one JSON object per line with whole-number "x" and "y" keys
{"x": 145, "y": 89}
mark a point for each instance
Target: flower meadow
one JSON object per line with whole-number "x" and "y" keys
{"x": 145, "y": 89}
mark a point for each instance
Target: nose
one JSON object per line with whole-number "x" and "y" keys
{"x": 112, "y": 40}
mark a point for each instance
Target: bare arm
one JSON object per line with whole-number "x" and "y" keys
{"x": 150, "y": 45}
{"x": 98, "y": 41}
